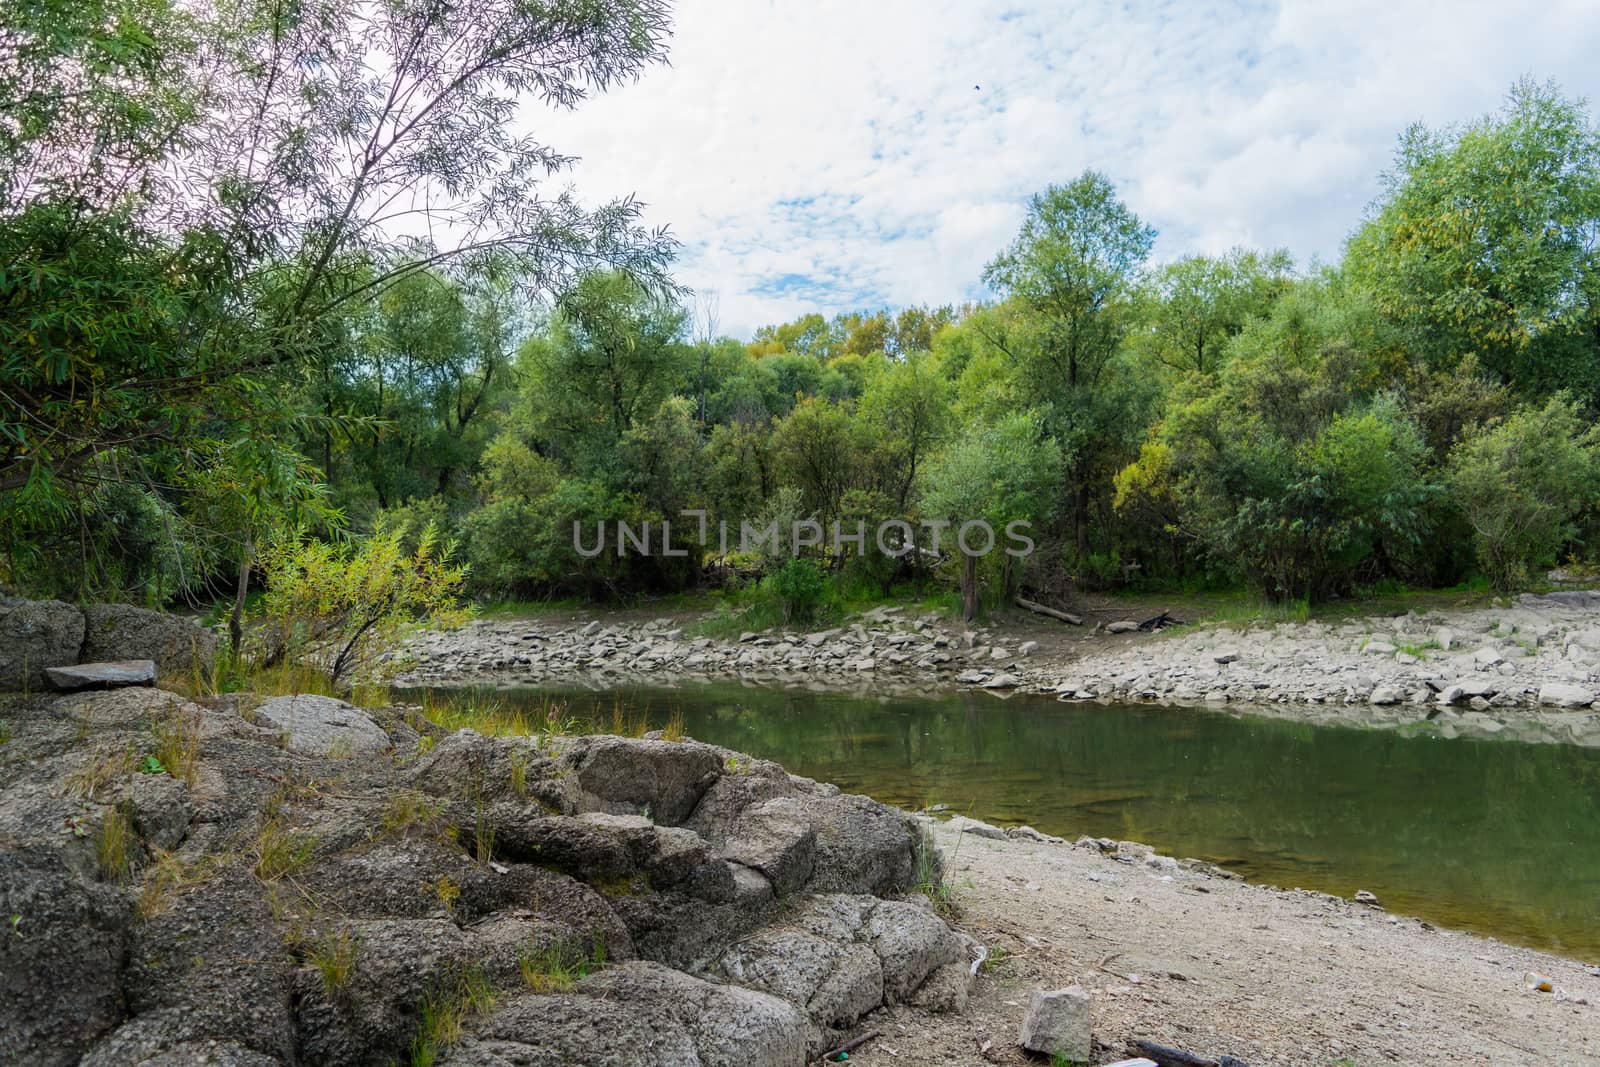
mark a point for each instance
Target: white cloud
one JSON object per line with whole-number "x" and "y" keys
{"x": 831, "y": 155}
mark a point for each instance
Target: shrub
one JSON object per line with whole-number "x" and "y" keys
{"x": 799, "y": 586}
{"x": 1522, "y": 484}
{"x": 342, "y": 609}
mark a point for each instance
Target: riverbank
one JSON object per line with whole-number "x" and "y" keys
{"x": 1528, "y": 668}
{"x": 1178, "y": 954}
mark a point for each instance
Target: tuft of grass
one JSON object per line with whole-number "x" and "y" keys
{"x": 997, "y": 958}
{"x": 280, "y": 852}
{"x": 5, "y": 732}
{"x": 519, "y": 772}
{"x": 482, "y": 838}
{"x": 113, "y": 845}
{"x": 166, "y": 874}
{"x": 448, "y": 891}
{"x": 409, "y": 808}
{"x": 445, "y": 1013}
{"x": 931, "y": 882}
{"x": 486, "y": 715}
{"x": 334, "y": 957}
{"x": 90, "y": 780}
{"x": 674, "y": 729}
{"x": 177, "y": 744}
{"x": 558, "y": 966}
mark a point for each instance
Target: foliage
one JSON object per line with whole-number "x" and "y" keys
{"x": 798, "y": 586}
{"x": 1523, "y": 483}
{"x": 345, "y": 608}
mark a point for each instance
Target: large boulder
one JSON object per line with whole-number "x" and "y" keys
{"x": 178, "y": 644}
{"x": 34, "y": 636}
{"x": 62, "y": 944}
{"x": 321, "y": 726}
{"x": 638, "y": 1014}
{"x": 662, "y": 780}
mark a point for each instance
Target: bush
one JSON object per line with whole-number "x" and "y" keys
{"x": 1523, "y": 484}
{"x": 342, "y": 609}
{"x": 799, "y": 587}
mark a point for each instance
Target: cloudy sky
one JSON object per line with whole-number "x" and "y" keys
{"x": 828, "y": 155}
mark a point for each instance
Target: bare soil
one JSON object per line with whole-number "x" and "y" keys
{"x": 1221, "y": 967}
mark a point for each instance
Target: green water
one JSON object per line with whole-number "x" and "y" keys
{"x": 1502, "y": 838}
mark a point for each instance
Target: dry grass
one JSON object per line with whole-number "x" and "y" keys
{"x": 177, "y": 744}
{"x": 167, "y": 874}
{"x": 280, "y": 852}
{"x": 90, "y": 780}
{"x": 410, "y": 808}
{"x": 113, "y": 846}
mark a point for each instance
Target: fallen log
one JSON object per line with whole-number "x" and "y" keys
{"x": 849, "y": 1047}
{"x": 1159, "y": 622}
{"x": 1040, "y": 609}
{"x": 1167, "y": 1056}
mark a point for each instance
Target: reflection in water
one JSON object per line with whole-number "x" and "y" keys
{"x": 1498, "y": 837}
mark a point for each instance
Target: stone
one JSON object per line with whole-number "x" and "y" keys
{"x": 999, "y": 653}
{"x": 1377, "y": 648}
{"x": 1027, "y": 648}
{"x": 775, "y": 837}
{"x": 1125, "y": 626}
{"x": 178, "y": 644}
{"x": 321, "y": 726}
{"x": 1057, "y": 1024}
{"x": 1487, "y": 657}
{"x": 1369, "y": 899}
{"x": 1564, "y": 695}
{"x": 976, "y": 827}
{"x": 1229, "y": 656}
{"x": 1028, "y": 833}
{"x": 115, "y": 675}
{"x": 1002, "y": 681}
{"x": 36, "y": 635}
{"x": 627, "y": 775}
{"x": 1384, "y": 695}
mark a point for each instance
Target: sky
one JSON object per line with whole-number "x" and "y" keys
{"x": 835, "y": 155}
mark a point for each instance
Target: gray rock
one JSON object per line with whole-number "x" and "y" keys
{"x": 1124, "y": 626}
{"x": 1377, "y": 648}
{"x": 115, "y": 675}
{"x": 35, "y": 635}
{"x": 1565, "y": 695}
{"x": 1384, "y": 695}
{"x": 1027, "y": 648}
{"x": 862, "y": 846}
{"x": 775, "y": 837}
{"x": 1057, "y": 1024}
{"x": 61, "y": 965}
{"x": 178, "y": 644}
{"x": 625, "y": 775}
{"x": 1229, "y": 656}
{"x": 638, "y": 1013}
{"x": 1003, "y": 681}
{"x": 1028, "y": 833}
{"x": 976, "y": 827}
{"x": 321, "y": 726}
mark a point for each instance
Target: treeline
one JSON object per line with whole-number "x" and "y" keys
{"x": 179, "y": 392}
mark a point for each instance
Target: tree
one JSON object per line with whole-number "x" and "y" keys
{"x": 613, "y": 352}
{"x": 816, "y": 449}
{"x": 1195, "y": 304}
{"x": 907, "y": 406}
{"x": 1073, "y": 267}
{"x": 995, "y": 474}
{"x": 1484, "y": 242}
{"x": 1522, "y": 483}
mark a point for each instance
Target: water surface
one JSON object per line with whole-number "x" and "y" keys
{"x": 1498, "y": 837}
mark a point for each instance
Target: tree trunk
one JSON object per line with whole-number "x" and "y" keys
{"x": 969, "y": 587}
{"x": 236, "y": 617}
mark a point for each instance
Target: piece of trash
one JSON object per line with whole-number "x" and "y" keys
{"x": 1539, "y": 983}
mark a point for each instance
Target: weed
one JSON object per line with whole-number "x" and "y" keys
{"x": 448, "y": 891}
{"x": 280, "y": 852}
{"x": 167, "y": 873}
{"x": 674, "y": 730}
{"x": 482, "y": 838}
{"x": 334, "y": 957}
{"x": 177, "y": 744}
{"x": 446, "y": 1012}
{"x": 519, "y": 772}
{"x": 557, "y": 967}
{"x": 999, "y": 956}
{"x": 5, "y": 732}
{"x": 111, "y": 848}
{"x": 410, "y": 808}
{"x": 88, "y": 781}
{"x": 1059, "y": 1059}
{"x": 930, "y": 876}
{"x": 486, "y": 715}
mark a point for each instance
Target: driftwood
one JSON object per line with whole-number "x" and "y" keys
{"x": 1159, "y": 622}
{"x": 1040, "y": 609}
{"x": 1166, "y": 1056}
{"x": 850, "y": 1046}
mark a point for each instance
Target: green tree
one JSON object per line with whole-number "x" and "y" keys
{"x": 1522, "y": 484}
{"x": 1194, "y": 305}
{"x": 1073, "y": 267}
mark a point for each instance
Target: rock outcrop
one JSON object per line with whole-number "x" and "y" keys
{"x": 37, "y": 635}
{"x": 305, "y": 883}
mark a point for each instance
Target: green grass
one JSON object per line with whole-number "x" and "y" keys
{"x": 930, "y": 880}
{"x": 446, "y": 1012}
{"x": 557, "y": 967}
{"x": 334, "y": 957}
{"x": 280, "y": 852}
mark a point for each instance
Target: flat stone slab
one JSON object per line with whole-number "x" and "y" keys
{"x": 113, "y": 675}
{"x": 322, "y": 726}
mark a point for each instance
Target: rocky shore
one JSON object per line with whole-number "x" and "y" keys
{"x": 1473, "y": 673}
{"x": 297, "y": 881}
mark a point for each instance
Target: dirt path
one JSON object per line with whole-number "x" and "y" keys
{"x": 1221, "y": 967}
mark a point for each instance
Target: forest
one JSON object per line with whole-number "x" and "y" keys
{"x": 274, "y": 276}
